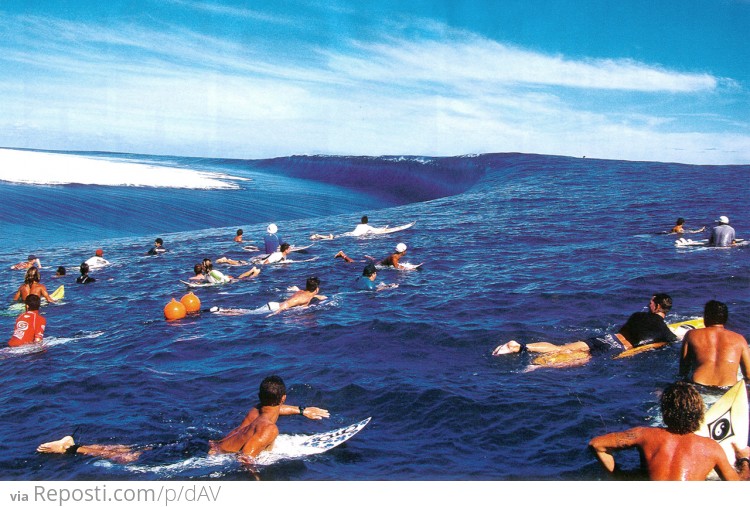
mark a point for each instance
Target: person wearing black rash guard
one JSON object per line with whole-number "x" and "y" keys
{"x": 85, "y": 278}
{"x": 641, "y": 328}
{"x": 648, "y": 327}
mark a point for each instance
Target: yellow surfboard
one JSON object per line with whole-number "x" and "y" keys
{"x": 59, "y": 293}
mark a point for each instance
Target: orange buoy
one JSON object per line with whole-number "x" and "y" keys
{"x": 174, "y": 310}
{"x": 191, "y": 302}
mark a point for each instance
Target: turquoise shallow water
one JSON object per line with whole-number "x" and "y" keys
{"x": 514, "y": 246}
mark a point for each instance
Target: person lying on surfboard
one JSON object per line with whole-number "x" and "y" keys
{"x": 279, "y": 256}
{"x": 714, "y": 355}
{"x": 32, "y": 259}
{"x": 302, "y": 297}
{"x": 640, "y": 328}
{"x": 391, "y": 261}
{"x": 674, "y": 453}
{"x": 256, "y": 433}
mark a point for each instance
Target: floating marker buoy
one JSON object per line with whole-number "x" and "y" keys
{"x": 174, "y": 310}
{"x": 191, "y": 302}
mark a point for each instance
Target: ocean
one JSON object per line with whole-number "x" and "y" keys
{"x": 514, "y": 246}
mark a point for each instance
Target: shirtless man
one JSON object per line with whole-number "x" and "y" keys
{"x": 32, "y": 259}
{"x": 302, "y": 297}
{"x": 674, "y": 453}
{"x": 679, "y": 228}
{"x": 714, "y": 354}
{"x": 640, "y": 328}
{"x": 238, "y": 237}
{"x": 256, "y": 433}
{"x": 32, "y": 285}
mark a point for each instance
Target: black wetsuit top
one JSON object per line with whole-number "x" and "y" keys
{"x": 85, "y": 279}
{"x": 647, "y": 327}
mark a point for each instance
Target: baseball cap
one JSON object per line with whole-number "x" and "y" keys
{"x": 723, "y": 219}
{"x": 271, "y": 229}
{"x": 400, "y": 248}
{"x": 99, "y": 252}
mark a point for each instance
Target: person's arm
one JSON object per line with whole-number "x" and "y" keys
{"x": 39, "y": 335}
{"x": 743, "y": 461}
{"x": 605, "y": 444}
{"x": 46, "y": 296}
{"x": 309, "y": 412}
{"x": 745, "y": 362}
{"x": 17, "y": 296}
{"x": 686, "y": 362}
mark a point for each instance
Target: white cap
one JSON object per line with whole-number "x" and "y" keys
{"x": 401, "y": 248}
{"x": 723, "y": 219}
{"x": 271, "y": 229}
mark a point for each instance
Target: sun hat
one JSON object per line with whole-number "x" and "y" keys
{"x": 401, "y": 248}
{"x": 723, "y": 219}
{"x": 271, "y": 229}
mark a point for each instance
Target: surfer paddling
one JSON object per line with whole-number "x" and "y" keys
{"x": 301, "y": 297}
{"x": 32, "y": 259}
{"x": 674, "y": 453}
{"x": 640, "y": 328}
{"x": 714, "y": 355}
{"x": 256, "y": 433}
{"x": 391, "y": 261}
{"x": 679, "y": 228}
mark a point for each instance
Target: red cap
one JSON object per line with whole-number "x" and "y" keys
{"x": 100, "y": 252}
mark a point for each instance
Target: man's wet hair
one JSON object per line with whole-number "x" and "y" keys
{"x": 240, "y": 232}
{"x": 284, "y": 247}
{"x": 159, "y": 241}
{"x": 715, "y": 312}
{"x": 312, "y": 284}
{"x": 84, "y": 268}
{"x": 682, "y": 408}
{"x": 364, "y": 219}
{"x": 680, "y": 221}
{"x": 33, "y": 301}
{"x": 272, "y": 391}
{"x": 198, "y": 269}
{"x": 663, "y": 300}
{"x": 369, "y": 270}
{"x": 60, "y": 270}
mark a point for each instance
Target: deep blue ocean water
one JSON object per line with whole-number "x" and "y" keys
{"x": 514, "y": 247}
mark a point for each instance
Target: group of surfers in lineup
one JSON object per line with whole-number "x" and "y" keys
{"x": 711, "y": 357}
{"x": 258, "y": 430}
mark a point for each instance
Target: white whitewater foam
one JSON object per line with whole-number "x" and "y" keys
{"x": 40, "y": 168}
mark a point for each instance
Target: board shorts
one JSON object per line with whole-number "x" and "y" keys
{"x": 598, "y": 344}
{"x": 188, "y": 447}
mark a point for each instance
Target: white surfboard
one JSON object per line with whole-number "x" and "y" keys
{"x": 726, "y": 421}
{"x": 294, "y": 248}
{"x": 381, "y": 230}
{"x": 687, "y": 243}
{"x": 298, "y": 446}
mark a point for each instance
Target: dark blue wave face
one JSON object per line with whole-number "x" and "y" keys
{"x": 537, "y": 248}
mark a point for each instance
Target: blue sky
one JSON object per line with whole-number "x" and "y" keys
{"x": 636, "y": 80}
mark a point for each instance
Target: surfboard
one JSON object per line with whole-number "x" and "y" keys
{"x": 726, "y": 421}
{"x": 15, "y": 308}
{"x": 58, "y": 293}
{"x": 406, "y": 266}
{"x": 678, "y": 328}
{"x": 197, "y": 285}
{"x": 686, "y": 243}
{"x": 298, "y": 446}
{"x": 294, "y": 248}
{"x": 381, "y": 230}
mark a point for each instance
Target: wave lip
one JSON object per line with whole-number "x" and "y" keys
{"x": 43, "y": 168}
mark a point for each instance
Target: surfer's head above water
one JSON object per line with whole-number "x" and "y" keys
{"x": 715, "y": 313}
{"x": 682, "y": 408}
{"x": 662, "y": 301}
{"x": 271, "y": 229}
{"x": 400, "y": 248}
{"x": 312, "y": 284}
{"x": 364, "y": 219}
{"x": 32, "y": 276}
{"x": 369, "y": 270}
{"x": 272, "y": 391}
{"x": 32, "y": 302}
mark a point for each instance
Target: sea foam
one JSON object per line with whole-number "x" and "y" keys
{"x": 43, "y": 168}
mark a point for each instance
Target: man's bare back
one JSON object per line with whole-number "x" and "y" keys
{"x": 669, "y": 456}
{"x": 36, "y": 289}
{"x": 257, "y": 433}
{"x": 715, "y": 355}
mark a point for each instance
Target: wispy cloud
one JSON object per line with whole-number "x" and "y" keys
{"x": 166, "y": 88}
